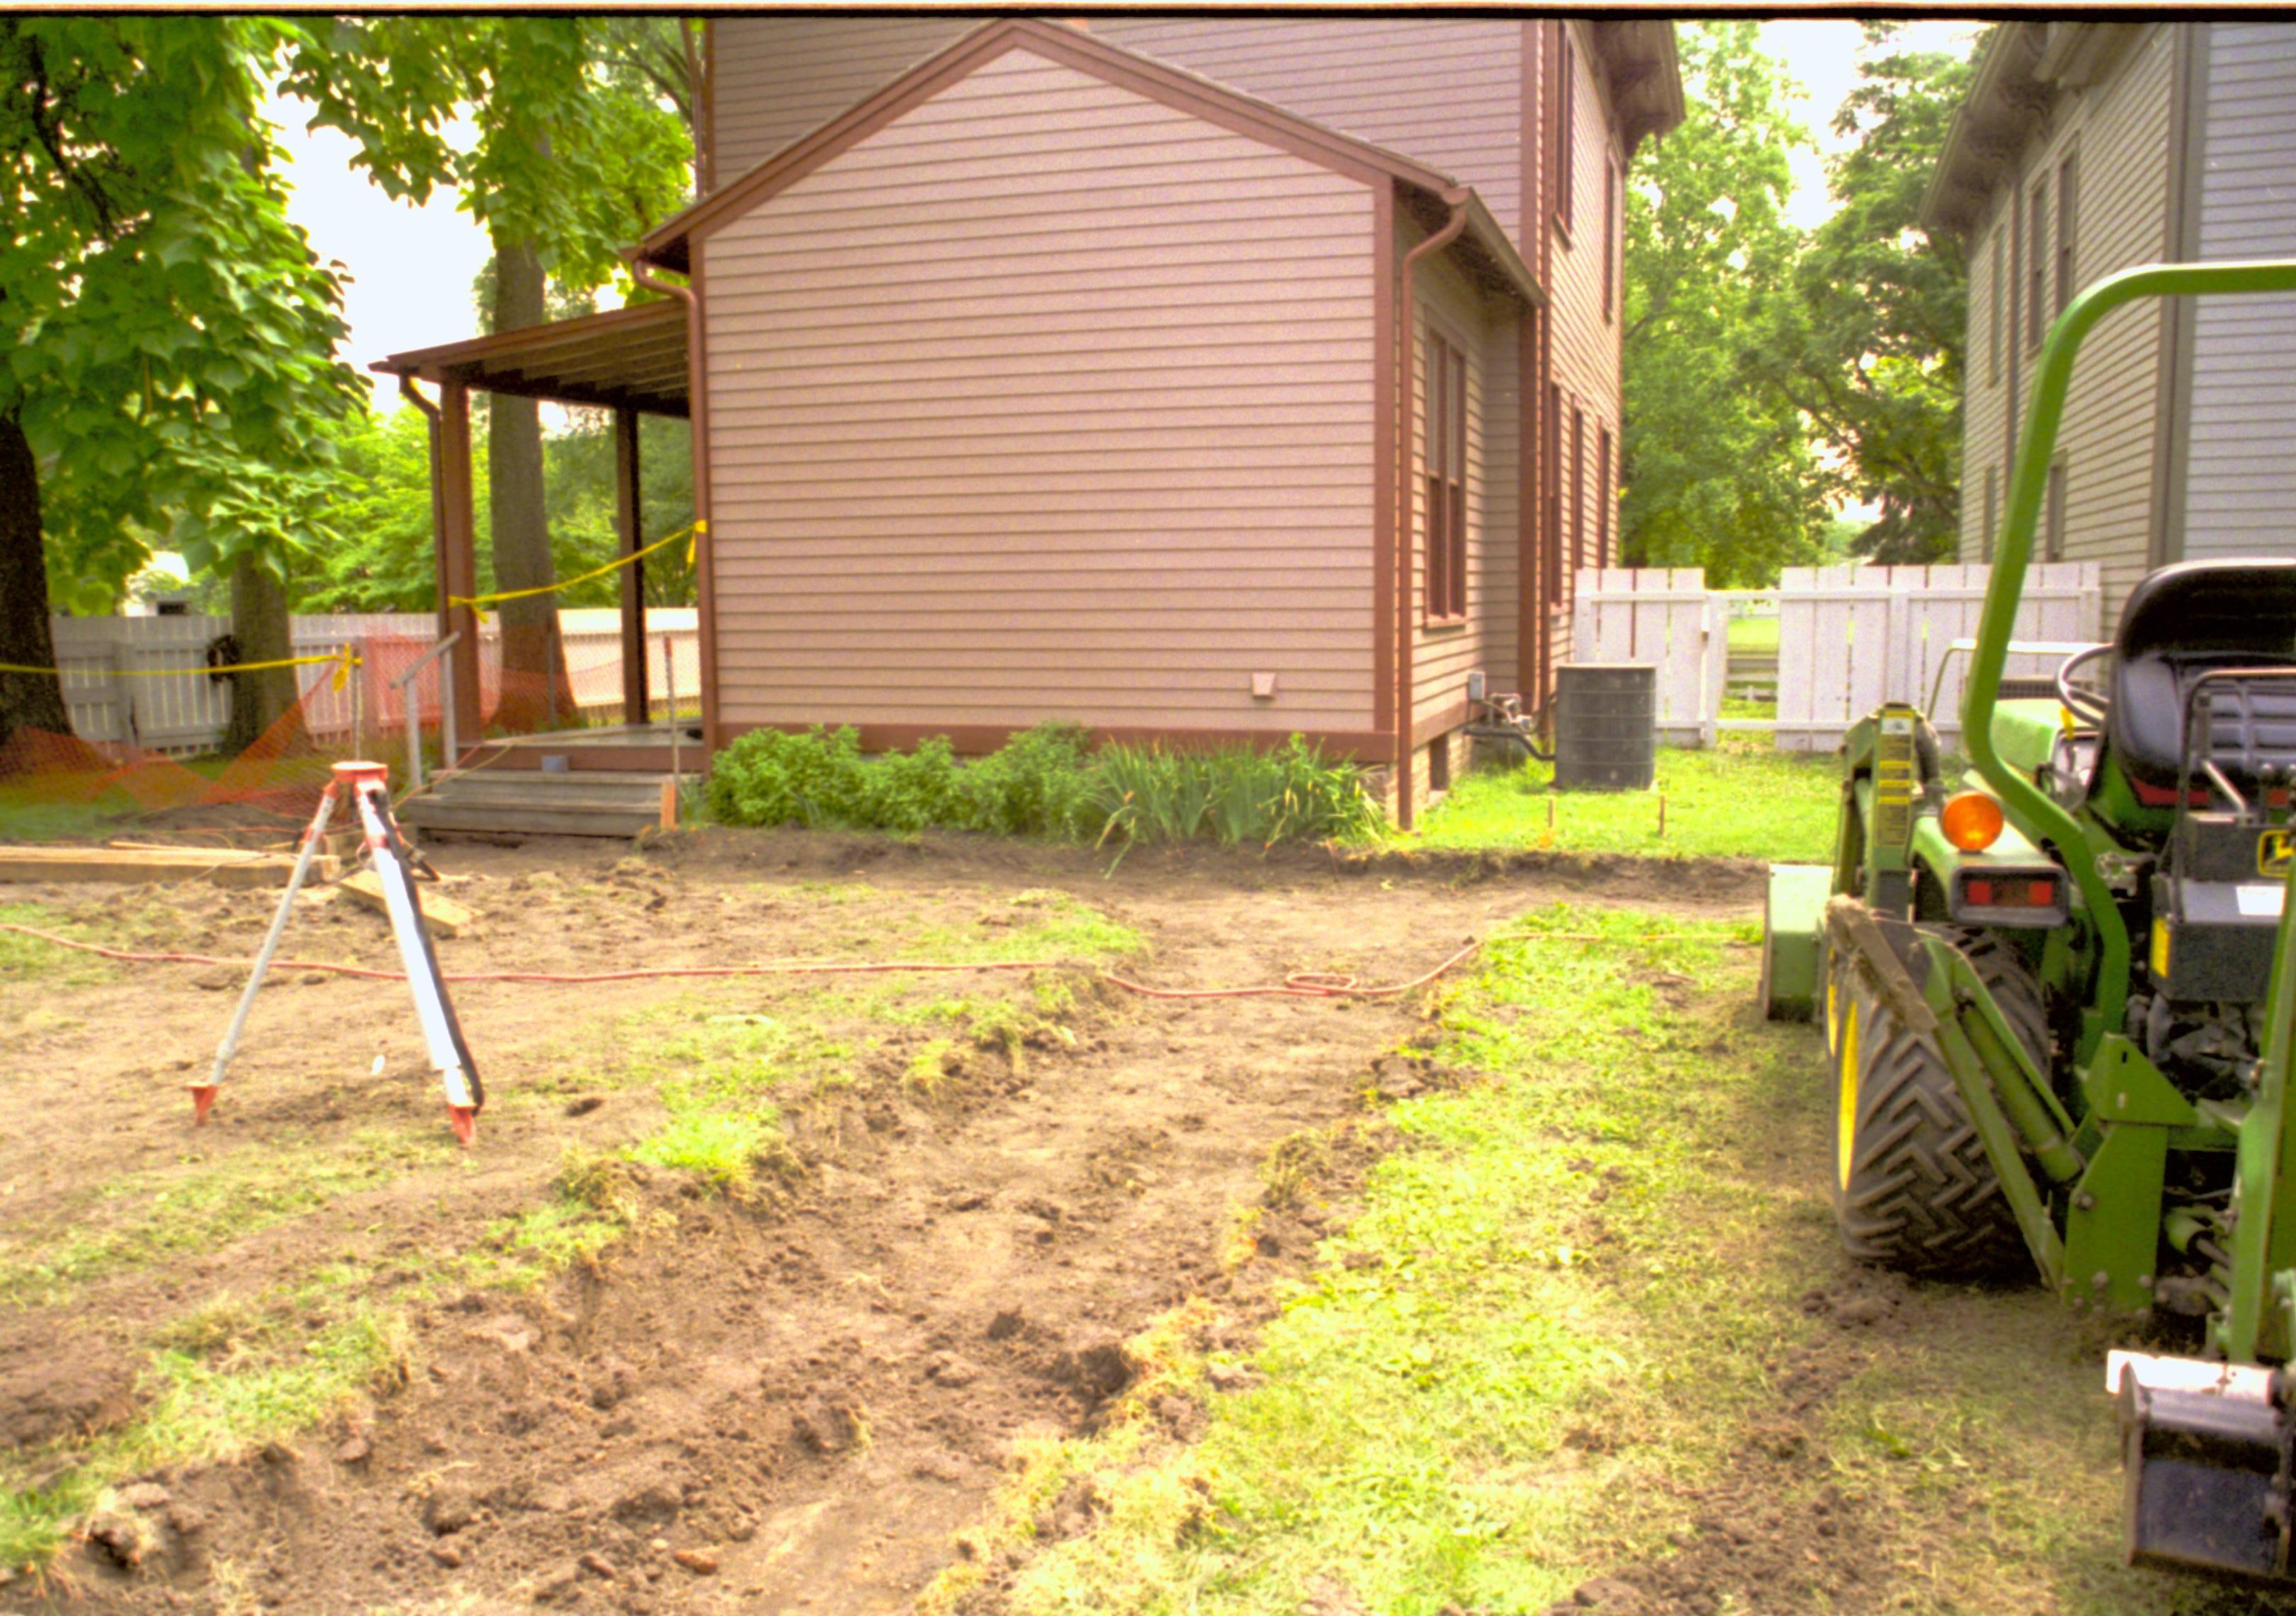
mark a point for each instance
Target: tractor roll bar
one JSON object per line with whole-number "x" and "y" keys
{"x": 2027, "y": 806}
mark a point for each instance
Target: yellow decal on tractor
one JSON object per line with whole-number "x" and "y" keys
{"x": 2273, "y": 848}
{"x": 1893, "y": 777}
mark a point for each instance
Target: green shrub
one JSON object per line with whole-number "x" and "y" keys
{"x": 1045, "y": 782}
{"x": 907, "y": 791}
{"x": 770, "y": 777}
{"x": 1237, "y": 795}
{"x": 1037, "y": 785}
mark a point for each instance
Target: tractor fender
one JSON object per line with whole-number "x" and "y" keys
{"x": 1793, "y": 951}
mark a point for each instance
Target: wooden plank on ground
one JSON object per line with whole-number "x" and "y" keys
{"x": 441, "y": 913}
{"x": 222, "y": 867}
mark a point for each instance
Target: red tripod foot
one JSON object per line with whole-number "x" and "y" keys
{"x": 464, "y": 1119}
{"x": 203, "y": 1101}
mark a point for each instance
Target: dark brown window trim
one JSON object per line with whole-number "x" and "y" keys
{"x": 1578, "y": 497}
{"x": 1565, "y": 141}
{"x": 1610, "y": 260}
{"x": 2053, "y": 513}
{"x": 1602, "y": 496}
{"x": 2037, "y": 264}
{"x": 1551, "y": 451}
{"x": 1443, "y": 484}
{"x": 2068, "y": 224}
{"x": 1993, "y": 330}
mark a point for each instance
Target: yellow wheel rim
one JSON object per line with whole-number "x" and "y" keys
{"x": 1846, "y": 1130}
{"x": 1832, "y": 1007}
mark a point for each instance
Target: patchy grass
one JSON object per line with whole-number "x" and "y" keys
{"x": 1743, "y": 799}
{"x": 28, "y": 959}
{"x": 28, "y": 813}
{"x": 206, "y": 1404}
{"x": 1566, "y": 1315}
{"x": 155, "y": 1213}
{"x": 1037, "y": 924}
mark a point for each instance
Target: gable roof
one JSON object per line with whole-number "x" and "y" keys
{"x": 671, "y": 244}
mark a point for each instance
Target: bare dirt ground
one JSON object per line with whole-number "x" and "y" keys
{"x": 786, "y": 1401}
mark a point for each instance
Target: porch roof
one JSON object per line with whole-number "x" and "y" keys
{"x": 631, "y": 359}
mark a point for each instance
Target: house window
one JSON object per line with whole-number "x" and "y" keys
{"x": 2065, "y": 233}
{"x": 1578, "y": 495}
{"x": 1992, "y": 513}
{"x": 1993, "y": 324}
{"x": 1446, "y": 473}
{"x": 2037, "y": 265}
{"x": 1564, "y": 144}
{"x": 1603, "y": 497}
{"x": 2052, "y": 519}
{"x": 1610, "y": 236}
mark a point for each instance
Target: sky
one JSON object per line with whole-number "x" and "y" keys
{"x": 410, "y": 268}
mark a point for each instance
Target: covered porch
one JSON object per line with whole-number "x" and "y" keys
{"x": 633, "y": 362}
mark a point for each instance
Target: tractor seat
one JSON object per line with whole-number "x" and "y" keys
{"x": 2183, "y": 621}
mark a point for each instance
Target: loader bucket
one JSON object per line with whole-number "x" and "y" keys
{"x": 1792, "y": 925}
{"x": 2205, "y": 1479}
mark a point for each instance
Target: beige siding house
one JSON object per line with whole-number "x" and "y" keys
{"x": 2083, "y": 149}
{"x": 1204, "y": 379}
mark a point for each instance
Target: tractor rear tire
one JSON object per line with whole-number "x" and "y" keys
{"x": 1913, "y": 1188}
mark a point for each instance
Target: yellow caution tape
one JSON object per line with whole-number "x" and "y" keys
{"x": 691, "y": 532}
{"x": 344, "y": 661}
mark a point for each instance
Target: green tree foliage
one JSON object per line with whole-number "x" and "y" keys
{"x": 379, "y": 495}
{"x": 167, "y": 333}
{"x": 575, "y": 155}
{"x": 1715, "y": 472}
{"x": 1865, "y": 337}
{"x": 378, "y": 498}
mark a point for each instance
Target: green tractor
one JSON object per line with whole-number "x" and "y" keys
{"x": 2060, "y": 1002}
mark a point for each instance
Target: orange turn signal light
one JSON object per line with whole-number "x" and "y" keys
{"x": 1972, "y": 821}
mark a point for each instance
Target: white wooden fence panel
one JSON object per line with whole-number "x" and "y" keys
{"x": 1666, "y": 618}
{"x": 1849, "y": 638}
{"x": 189, "y": 711}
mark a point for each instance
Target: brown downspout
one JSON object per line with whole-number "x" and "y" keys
{"x": 1406, "y": 548}
{"x": 705, "y": 538}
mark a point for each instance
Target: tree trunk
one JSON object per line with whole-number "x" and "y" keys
{"x": 259, "y": 625}
{"x": 28, "y": 700}
{"x": 536, "y": 692}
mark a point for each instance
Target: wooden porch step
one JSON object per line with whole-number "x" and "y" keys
{"x": 513, "y": 819}
{"x": 590, "y": 803}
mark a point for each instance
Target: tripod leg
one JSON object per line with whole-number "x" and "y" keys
{"x": 440, "y": 1031}
{"x": 203, "y": 1093}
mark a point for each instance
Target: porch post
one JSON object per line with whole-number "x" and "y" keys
{"x": 458, "y": 555}
{"x": 629, "y": 527}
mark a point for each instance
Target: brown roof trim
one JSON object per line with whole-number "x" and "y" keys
{"x": 626, "y": 358}
{"x": 669, "y": 244}
{"x": 638, "y": 318}
{"x": 2022, "y": 70}
{"x": 1643, "y": 74}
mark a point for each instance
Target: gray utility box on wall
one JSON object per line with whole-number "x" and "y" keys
{"x": 1606, "y": 726}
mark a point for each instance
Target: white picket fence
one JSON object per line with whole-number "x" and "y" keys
{"x": 1849, "y": 638}
{"x": 121, "y": 684}
{"x": 1666, "y": 617}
